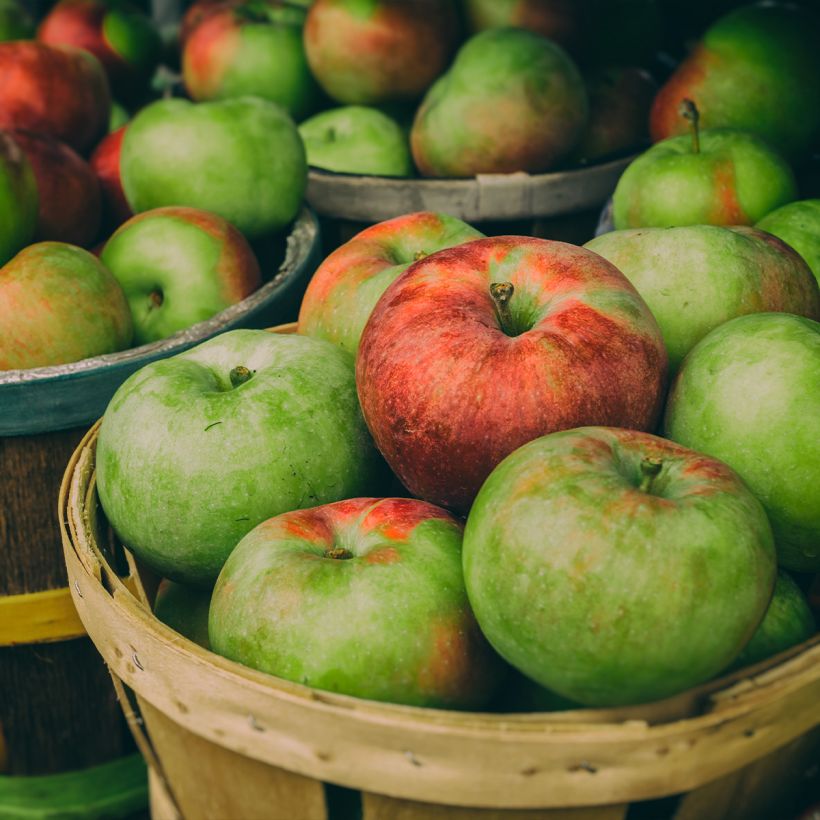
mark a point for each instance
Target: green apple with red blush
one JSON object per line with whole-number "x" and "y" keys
{"x": 363, "y": 597}
{"x": 346, "y": 287}
{"x": 798, "y": 225}
{"x": 18, "y": 199}
{"x": 718, "y": 177}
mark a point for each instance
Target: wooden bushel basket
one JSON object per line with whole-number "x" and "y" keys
{"x": 224, "y": 741}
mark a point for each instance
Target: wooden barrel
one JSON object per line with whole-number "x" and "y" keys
{"x": 57, "y": 708}
{"x": 223, "y": 740}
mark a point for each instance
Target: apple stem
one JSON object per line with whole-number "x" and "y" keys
{"x": 239, "y": 375}
{"x": 689, "y": 111}
{"x": 502, "y": 292}
{"x": 155, "y": 298}
{"x": 338, "y": 553}
{"x": 650, "y": 467}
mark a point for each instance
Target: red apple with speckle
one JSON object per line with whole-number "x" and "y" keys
{"x": 105, "y": 163}
{"x": 364, "y": 597}
{"x": 478, "y": 349}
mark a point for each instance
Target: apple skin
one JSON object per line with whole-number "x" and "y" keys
{"x": 365, "y": 52}
{"x": 346, "y": 287}
{"x": 748, "y": 394}
{"x": 364, "y": 597}
{"x": 187, "y": 464}
{"x": 56, "y": 90}
{"x": 185, "y": 610}
{"x": 69, "y": 202}
{"x": 179, "y": 266}
{"x": 251, "y": 49}
{"x": 788, "y": 621}
{"x": 594, "y": 586}
{"x": 511, "y": 101}
{"x": 242, "y": 159}
{"x": 15, "y": 21}
{"x": 735, "y": 179}
{"x": 798, "y": 225}
{"x": 117, "y": 33}
{"x": 447, "y": 393}
{"x": 105, "y": 163}
{"x": 355, "y": 139}
{"x": 757, "y": 69}
{"x": 697, "y": 277}
{"x": 18, "y": 199}
{"x": 59, "y": 304}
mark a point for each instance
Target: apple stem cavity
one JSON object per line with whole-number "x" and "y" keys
{"x": 689, "y": 111}
{"x": 338, "y": 554}
{"x": 155, "y": 298}
{"x": 239, "y": 375}
{"x": 502, "y": 292}
{"x": 650, "y": 467}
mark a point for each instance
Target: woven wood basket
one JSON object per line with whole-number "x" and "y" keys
{"x": 225, "y": 741}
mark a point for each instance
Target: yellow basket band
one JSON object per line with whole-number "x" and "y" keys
{"x": 39, "y": 617}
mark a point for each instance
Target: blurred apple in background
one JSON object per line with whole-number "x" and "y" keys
{"x": 105, "y": 163}
{"x": 59, "y": 304}
{"x": 15, "y": 21}
{"x": 798, "y": 224}
{"x": 18, "y": 198}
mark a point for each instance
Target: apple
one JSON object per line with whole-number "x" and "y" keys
{"x": 615, "y": 567}
{"x": 117, "y": 33}
{"x": 251, "y": 48}
{"x": 179, "y": 266}
{"x": 185, "y": 610}
{"x": 347, "y": 285}
{"x": 364, "y": 597}
{"x": 196, "y": 450}
{"x": 788, "y": 621}
{"x": 242, "y": 159}
{"x": 757, "y": 69}
{"x": 697, "y": 277}
{"x": 105, "y": 163}
{"x": 355, "y": 139}
{"x": 720, "y": 177}
{"x": 748, "y": 394}
{"x": 511, "y": 101}
{"x": 798, "y": 224}
{"x": 477, "y": 349}
{"x": 18, "y": 199}
{"x": 68, "y": 192}
{"x": 15, "y": 21}
{"x": 119, "y": 116}
{"x": 56, "y": 90}
{"x": 375, "y": 51}
{"x": 59, "y": 304}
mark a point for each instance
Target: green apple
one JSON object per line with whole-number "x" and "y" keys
{"x": 59, "y": 304}
{"x": 18, "y": 199}
{"x": 356, "y": 139}
{"x": 179, "y": 266}
{"x": 615, "y": 567}
{"x": 15, "y": 21}
{"x": 720, "y": 177}
{"x": 185, "y": 610}
{"x": 196, "y": 450}
{"x": 119, "y": 116}
{"x": 242, "y": 159}
{"x": 364, "y": 597}
{"x": 798, "y": 224}
{"x": 748, "y": 394}
{"x": 697, "y": 277}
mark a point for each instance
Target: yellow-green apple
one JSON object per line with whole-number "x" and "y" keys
{"x": 179, "y": 266}
{"x": 56, "y": 90}
{"x": 356, "y": 139}
{"x": 364, "y": 597}
{"x": 18, "y": 199}
{"x": 757, "y": 69}
{"x": 697, "y": 277}
{"x": 59, "y": 304}
{"x": 116, "y": 32}
{"x": 788, "y": 622}
{"x": 184, "y": 609}
{"x": 68, "y": 193}
{"x": 719, "y": 177}
{"x": 475, "y": 350}
{"x": 376, "y": 51}
{"x": 347, "y": 285}
{"x": 197, "y": 449}
{"x": 798, "y": 225}
{"x": 615, "y": 567}
{"x": 242, "y": 159}
{"x": 15, "y": 21}
{"x": 748, "y": 394}
{"x": 251, "y": 48}
{"x": 511, "y": 101}
{"x": 105, "y": 163}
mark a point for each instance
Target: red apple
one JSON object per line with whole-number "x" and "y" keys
{"x": 105, "y": 163}
{"x": 55, "y": 90}
{"x": 478, "y": 349}
{"x": 68, "y": 191}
